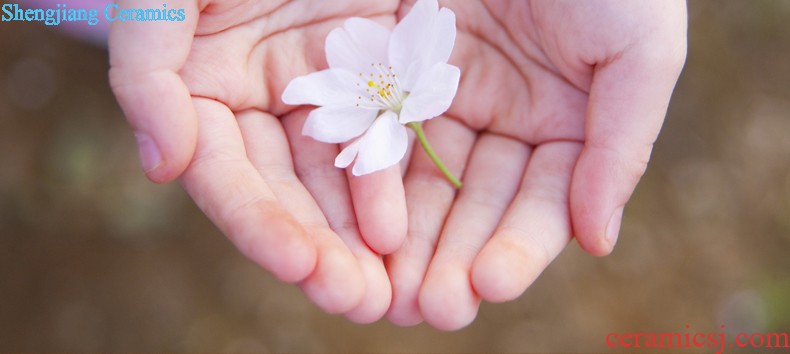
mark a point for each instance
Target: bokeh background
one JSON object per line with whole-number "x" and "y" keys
{"x": 93, "y": 257}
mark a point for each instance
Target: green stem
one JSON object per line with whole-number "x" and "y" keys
{"x": 417, "y": 127}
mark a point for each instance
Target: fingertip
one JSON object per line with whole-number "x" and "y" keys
{"x": 159, "y": 109}
{"x": 150, "y": 158}
{"x": 337, "y": 284}
{"x": 161, "y": 167}
{"x": 602, "y": 184}
{"x": 380, "y": 204}
{"x": 404, "y": 315}
{"x": 613, "y": 229}
{"x": 404, "y": 310}
{"x": 279, "y": 244}
{"x": 504, "y": 270}
{"x": 598, "y": 236}
{"x": 378, "y": 294}
{"x": 602, "y": 243}
{"x": 446, "y": 299}
{"x": 384, "y": 240}
{"x": 298, "y": 265}
{"x": 170, "y": 148}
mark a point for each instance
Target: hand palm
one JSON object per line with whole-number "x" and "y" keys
{"x": 277, "y": 195}
{"x": 547, "y": 143}
{"x": 243, "y": 173}
{"x": 512, "y": 109}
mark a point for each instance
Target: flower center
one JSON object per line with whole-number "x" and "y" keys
{"x": 382, "y": 89}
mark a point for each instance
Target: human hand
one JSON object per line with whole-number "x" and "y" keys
{"x": 556, "y": 114}
{"x": 203, "y": 97}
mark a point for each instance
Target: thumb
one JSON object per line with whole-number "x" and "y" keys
{"x": 145, "y": 58}
{"x": 627, "y": 104}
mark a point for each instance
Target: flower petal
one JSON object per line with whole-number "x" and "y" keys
{"x": 327, "y": 87}
{"x": 338, "y": 124}
{"x": 382, "y": 146}
{"x": 425, "y": 36}
{"x": 347, "y": 155}
{"x": 432, "y": 95}
{"x": 358, "y": 44}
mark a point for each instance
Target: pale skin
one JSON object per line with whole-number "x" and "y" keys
{"x": 556, "y": 114}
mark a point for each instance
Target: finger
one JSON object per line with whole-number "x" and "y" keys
{"x": 230, "y": 191}
{"x": 628, "y": 101}
{"x": 535, "y": 228}
{"x": 314, "y": 162}
{"x": 428, "y": 199}
{"x": 145, "y": 58}
{"x": 496, "y": 166}
{"x": 380, "y": 206}
{"x": 268, "y": 150}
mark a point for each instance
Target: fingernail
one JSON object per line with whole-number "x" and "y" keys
{"x": 150, "y": 157}
{"x": 613, "y": 229}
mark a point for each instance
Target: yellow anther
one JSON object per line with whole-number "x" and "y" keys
{"x": 381, "y": 91}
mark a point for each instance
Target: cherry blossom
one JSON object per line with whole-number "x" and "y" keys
{"x": 379, "y": 82}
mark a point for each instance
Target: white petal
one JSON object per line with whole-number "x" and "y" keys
{"x": 425, "y": 36}
{"x": 407, "y": 34}
{"x": 347, "y": 155}
{"x": 432, "y": 95}
{"x": 338, "y": 124}
{"x": 327, "y": 87}
{"x": 382, "y": 146}
{"x": 358, "y": 44}
{"x": 443, "y": 39}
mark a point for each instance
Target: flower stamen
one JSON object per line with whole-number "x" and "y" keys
{"x": 383, "y": 88}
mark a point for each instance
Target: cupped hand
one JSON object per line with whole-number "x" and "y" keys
{"x": 556, "y": 114}
{"x": 203, "y": 97}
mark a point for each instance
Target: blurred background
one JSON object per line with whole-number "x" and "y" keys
{"x": 93, "y": 257}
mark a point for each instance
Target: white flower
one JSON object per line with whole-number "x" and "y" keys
{"x": 377, "y": 82}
